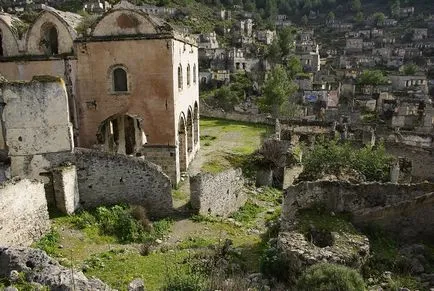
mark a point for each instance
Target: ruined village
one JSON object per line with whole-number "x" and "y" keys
{"x": 187, "y": 145}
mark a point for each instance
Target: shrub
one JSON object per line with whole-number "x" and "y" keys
{"x": 273, "y": 265}
{"x": 330, "y": 277}
{"x": 189, "y": 281}
{"x": 128, "y": 224}
{"x": 332, "y": 157}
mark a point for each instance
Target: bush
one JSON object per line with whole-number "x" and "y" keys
{"x": 273, "y": 265}
{"x": 332, "y": 157}
{"x": 185, "y": 282}
{"x": 128, "y": 224}
{"x": 330, "y": 277}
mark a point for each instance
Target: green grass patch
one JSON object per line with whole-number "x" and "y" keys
{"x": 323, "y": 220}
{"x": 118, "y": 268}
{"x": 248, "y": 213}
{"x": 49, "y": 242}
{"x": 271, "y": 195}
{"x": 196, "y": 242}
{"x": 180, "y": 195}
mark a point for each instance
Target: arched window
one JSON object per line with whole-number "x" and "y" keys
{"x": 180, "y": 77}
{"x": 188, "y": 75}
{"x": 120, "y": 80}
{"x": 49, "y": 39}
{"x": 194, "y": 74}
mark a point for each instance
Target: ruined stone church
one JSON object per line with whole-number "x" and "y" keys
{"x": 132, "y": 80}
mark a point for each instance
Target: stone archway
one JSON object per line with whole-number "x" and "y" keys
{"x": 182, "y": 144}
{"x": 121, "y": 134}
{"x": 196, "y": 124}
{"x": 190, "y": 134}
{"x": 49, "y": 39}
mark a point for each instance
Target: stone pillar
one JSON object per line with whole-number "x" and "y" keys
{"x": 65, "y": 186}
{"x": 394, "y": 173}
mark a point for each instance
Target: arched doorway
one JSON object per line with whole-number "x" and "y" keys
{"x": 190, "y": 135}
{"x": 121, "y": 134}
{"x": 182, "y": 146}
{"x": 196, "y": 124}
{"x": 1, "y": 44}
{"x": 49, "y": 39}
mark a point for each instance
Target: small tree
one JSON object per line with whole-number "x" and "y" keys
{"x": 378, "y": 18}
{"x": 359, "y": 17}
{"x": 356, "y": 5}
{"x": 331, "y": 16}
{"x": 410, "y": 69}
{"x": 293, "y": 66}
{"x": 372, "y": 77}
{"x": 276, "y": 90}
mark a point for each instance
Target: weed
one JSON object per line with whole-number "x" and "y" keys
{"x": 330, "y": 277}
{"x": 247, "y": 213}
{"x": 49, "y": 242}
{"x": 269, "y": 194}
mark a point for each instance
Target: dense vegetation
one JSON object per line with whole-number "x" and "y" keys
{"x": 330, "y": 277}
{"x": 335, "y": 158}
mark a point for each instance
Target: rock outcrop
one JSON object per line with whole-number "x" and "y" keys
{"x": 38, "y": 267}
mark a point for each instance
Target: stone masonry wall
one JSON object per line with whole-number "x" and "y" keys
{"x": 217, "y": 194}
{"x": 422, "y": 160}
{"x": 206, "y": 111}
{"x": 23, "y": 212}
{"x": 106, "y": 179}
{"x": 384, "y": 204}
{"x": 164, "y": 156}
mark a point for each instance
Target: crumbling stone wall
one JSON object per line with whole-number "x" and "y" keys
{"x": 164, "y": 156}
{"x": 23, "y": 212}
{"x": 409, "y": 208}
{"x": 217, "y": 194}
{"x": 422, "y": 160}
{"x": 36, "y": 116}
{"x": 65, "y": 186}
{"x": 106, "y": 179}
{"x": 103, "y": 179}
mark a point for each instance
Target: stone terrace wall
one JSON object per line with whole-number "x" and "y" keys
{"x": 107, "y": 179}
{"x": 410, "y": 207}
{"x": 23, "y": 212}
{"x": 217, "y": 194}
{"x": 207, "y": 111}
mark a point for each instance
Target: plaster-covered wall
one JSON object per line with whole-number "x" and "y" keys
{"x": 217, "y": 194}
{"x": 36, "y": 117}
{"x": 9, "y": 39}
{"x": 23, "y": 212}
{"x": 124, "y": 22}
{"x": 34, "y": 35}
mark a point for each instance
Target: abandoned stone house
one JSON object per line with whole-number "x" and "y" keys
{"x": 132, "y": 80}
